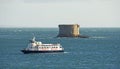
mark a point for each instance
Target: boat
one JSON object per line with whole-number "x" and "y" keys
{"x": 38, "y": 47}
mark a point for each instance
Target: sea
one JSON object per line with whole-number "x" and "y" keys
{"x": 100, "y": 51}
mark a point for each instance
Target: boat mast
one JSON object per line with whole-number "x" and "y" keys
{"x": 33, "y": 39}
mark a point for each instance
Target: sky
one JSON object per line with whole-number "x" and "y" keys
{"x": 51, "y": 13}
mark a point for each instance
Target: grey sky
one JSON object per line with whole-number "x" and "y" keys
{"x": 51, "y": 13}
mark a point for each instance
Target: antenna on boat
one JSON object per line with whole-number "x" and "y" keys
{"x": 33, "y": 38}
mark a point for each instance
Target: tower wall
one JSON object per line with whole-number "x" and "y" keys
{"x": 71, "y": 30}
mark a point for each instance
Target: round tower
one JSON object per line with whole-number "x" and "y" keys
{"x": 70, "y": 30}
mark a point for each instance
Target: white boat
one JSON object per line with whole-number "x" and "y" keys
{"x": 37, "y": 47}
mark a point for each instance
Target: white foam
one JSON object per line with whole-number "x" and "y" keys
{"x": 99, "y": 37}
{"x": 66, "y": 52}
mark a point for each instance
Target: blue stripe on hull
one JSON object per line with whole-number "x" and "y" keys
{"x": 27, "y": 51}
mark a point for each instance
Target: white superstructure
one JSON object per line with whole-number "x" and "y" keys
{"x": 38, "y": 46}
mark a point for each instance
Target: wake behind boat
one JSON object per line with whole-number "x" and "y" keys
{"x": 37, "y": 47}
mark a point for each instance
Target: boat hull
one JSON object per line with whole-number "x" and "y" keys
{"x": 29, "y": 51}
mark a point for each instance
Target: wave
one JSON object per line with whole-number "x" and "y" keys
{"x": 99, "y": 37}
{"x": 66, "y": 52}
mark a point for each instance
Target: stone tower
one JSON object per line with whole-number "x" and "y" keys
{"x": 70, "y": 30}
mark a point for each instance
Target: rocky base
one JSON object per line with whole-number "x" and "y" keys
{"x": 80, "y": 36}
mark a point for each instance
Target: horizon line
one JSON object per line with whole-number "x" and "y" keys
{"x": 58, "y": 27}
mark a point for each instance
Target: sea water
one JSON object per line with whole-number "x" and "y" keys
{"x": 100, "y": 51}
